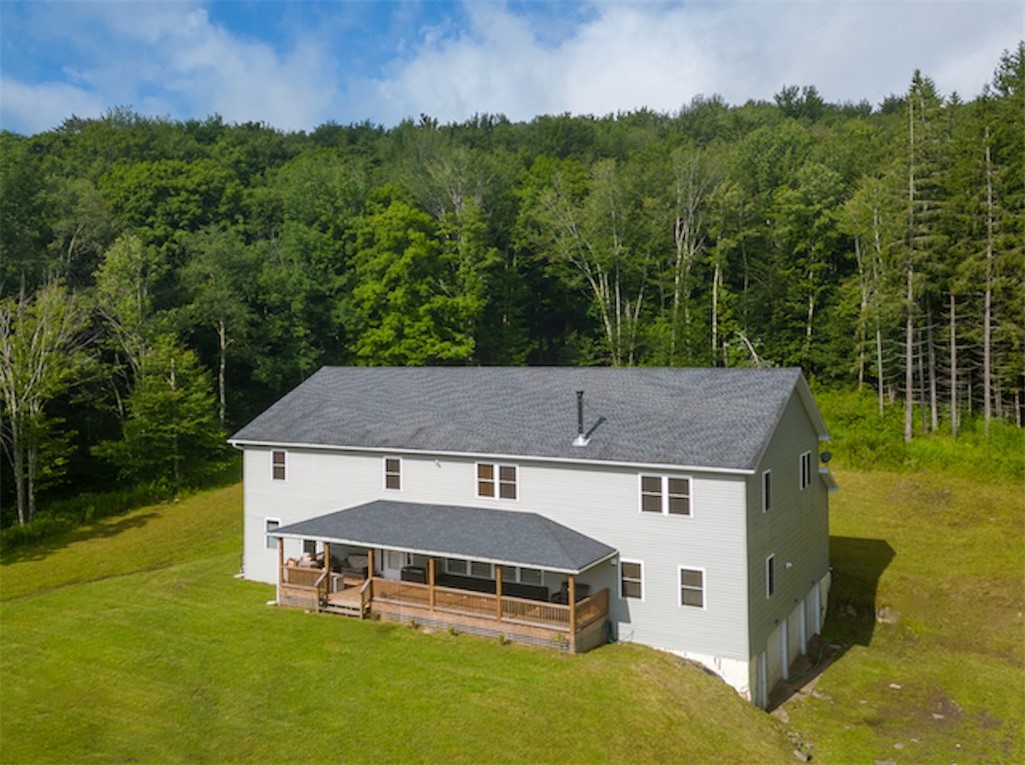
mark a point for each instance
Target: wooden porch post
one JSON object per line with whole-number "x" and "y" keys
{"x": 572, "y": 613}
{"x": 281, "y": 560}
{"x": 370, "y": 563}
{"x": 498, "y": 592}
{"x": 327, "y": 567}
{"x": 430, "y": 582}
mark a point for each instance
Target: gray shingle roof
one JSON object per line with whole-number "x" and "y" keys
{"x": 716, "y": 418}
{"x": 497, "y": 536}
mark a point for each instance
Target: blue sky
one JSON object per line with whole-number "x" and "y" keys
{"x": 297, "y": 65}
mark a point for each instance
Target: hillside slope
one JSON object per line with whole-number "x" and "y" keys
{"x": 114, "y": 651}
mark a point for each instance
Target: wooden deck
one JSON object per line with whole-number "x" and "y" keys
{"x": 575, "y": 628}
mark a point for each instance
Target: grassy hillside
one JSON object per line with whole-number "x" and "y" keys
{"x": 928, "y": 601}
{"x": 114, "y": 652}
{"x": 131, "y": 641}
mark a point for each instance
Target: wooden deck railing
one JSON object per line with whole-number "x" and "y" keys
{"x": 593, "y": 608}
{"x": 301, "y": 576}
{"x": 484, "y": 605}
{"x": 536, "y": 611}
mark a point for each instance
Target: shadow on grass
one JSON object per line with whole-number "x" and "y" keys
{"x": 40, "y": 549}
{"x": 857, "y": 565}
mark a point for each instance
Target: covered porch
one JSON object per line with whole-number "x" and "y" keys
{"x": 487, "y": 572}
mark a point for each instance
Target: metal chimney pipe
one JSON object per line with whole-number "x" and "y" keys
{"x": 581, "y": 439}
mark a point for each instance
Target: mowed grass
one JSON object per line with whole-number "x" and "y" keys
{"x": 929, "y": 596}
{"x": 133, "y": 642}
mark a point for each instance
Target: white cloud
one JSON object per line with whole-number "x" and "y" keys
{"x": 625, "y": 56}
{"x": 171, "y": 58}
{"x": 44, "y": 106}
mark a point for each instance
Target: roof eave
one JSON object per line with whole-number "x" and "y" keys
{"x": 438, "y": 554}
{"x": 241, "y": 443}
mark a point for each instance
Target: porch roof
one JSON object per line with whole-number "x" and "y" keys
{"x": 505, "y": 537}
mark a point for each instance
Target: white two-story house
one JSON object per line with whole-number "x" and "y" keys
{"x": 684, "y": 509}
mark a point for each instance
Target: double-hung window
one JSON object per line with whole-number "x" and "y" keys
{"x": 631, "y": 579}
{"x": 277, "y": 462}
{"x": 393, "y": 473}
{"x": 529, "y": 576}
{"x": 692, "y": 587}
{"x": 456, "y": 566}
{"x": 805, "y": 480}
{"x": 269, "y": 525}
{"x": 496, "y": 480}
{"x": 770, "y": 576}
{"x": 669, "y": 495}
{"x": 766, "y": 491}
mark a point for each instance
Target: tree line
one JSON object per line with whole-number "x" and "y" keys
{"x": 162, "y": 281}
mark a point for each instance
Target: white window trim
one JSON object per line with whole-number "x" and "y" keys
{"x": 619, "y": 578}
{"x": 284, "y": 465}
{"x": 704, "y": 587}
{"x": 497, "y": 466}
{"x": 316, "y": 546}
{"x": 766, "y": 495}
{"x": 770, "y": 560}
{"x": 266, "y": 534}
{"x": 665, "y": 494}
{"x": 803, "y": 479}
{"x": 384, "y": 476}
{"x": 491, "y": 569}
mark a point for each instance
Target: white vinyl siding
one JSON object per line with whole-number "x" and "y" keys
{"x": 600, "y": 502}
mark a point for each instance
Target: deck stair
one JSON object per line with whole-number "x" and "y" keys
{"x": 347, "y": 602}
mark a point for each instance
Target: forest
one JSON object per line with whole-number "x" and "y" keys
{"x": 162, "y": 281}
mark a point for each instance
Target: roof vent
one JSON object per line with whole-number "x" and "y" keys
{"x": 581, "y": 439}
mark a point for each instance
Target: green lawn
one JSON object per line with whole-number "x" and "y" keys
{"x": 944, "y": 558}
{"x": 183, "y": 662}
{"x": 130, "y": 641}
